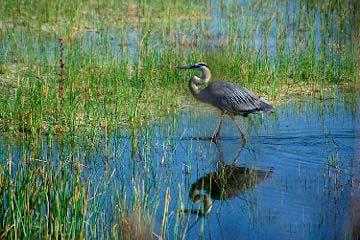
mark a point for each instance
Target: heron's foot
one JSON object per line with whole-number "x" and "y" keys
{"x": 215, "y": 138}
{"x": 244, "y": 139}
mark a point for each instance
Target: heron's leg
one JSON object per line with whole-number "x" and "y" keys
{"x": 243, "y": 136}
{"x": 217, "y": 129}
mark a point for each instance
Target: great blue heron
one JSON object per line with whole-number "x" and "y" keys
{"x": 231, "y": 99}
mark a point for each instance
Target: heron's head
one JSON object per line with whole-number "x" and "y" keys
{"x": 197, "y": 66}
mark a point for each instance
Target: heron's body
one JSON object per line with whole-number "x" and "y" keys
{"x": 229, "y": 98}
{"x": 232, "y": 99}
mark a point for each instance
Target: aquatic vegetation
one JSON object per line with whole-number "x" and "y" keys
{"x": 105, "y": 77}
{"x": 40, "y": 200}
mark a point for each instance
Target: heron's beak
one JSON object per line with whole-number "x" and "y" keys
{"x": 184, "y": 67}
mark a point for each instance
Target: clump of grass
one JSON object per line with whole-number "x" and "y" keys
{"x": 38, "y": 200}
{"x": 132, "y": 219}
{"x": 132, "y": 228}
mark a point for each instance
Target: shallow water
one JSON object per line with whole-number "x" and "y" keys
{"x": 293, "y": 180}
{"x": 311, "y": 148}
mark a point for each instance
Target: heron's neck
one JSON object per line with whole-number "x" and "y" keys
{"x": 195, "y": 82}
{"x": 206, "y": 75}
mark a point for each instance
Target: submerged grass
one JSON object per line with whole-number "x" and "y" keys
{"x": 78, "y": 70}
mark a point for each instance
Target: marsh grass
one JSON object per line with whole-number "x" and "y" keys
{"x": 40, "y": 200}
{"x": 115, "y": 77}
{"x": 54, "y": 198}
{"x": 115, "y": 68}
{"x": 106, "y": 79}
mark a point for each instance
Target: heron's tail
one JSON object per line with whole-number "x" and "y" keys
{"x": 266, "y": 106}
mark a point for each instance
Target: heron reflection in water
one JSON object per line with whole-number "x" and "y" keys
{"x": 231, "y": 99}
{"x": 227, "y": 182}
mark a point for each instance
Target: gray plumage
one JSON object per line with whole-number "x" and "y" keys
{"x": 233, "y": 99}
{"x": 229, "y": 98}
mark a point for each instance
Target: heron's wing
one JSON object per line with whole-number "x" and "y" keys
{"x": 234, "y": 98}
